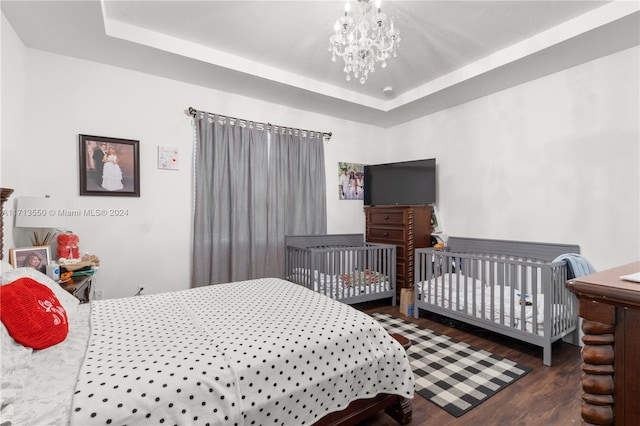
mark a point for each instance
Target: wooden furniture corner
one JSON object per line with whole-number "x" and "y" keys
{"x": 610, "y": 308}
{"x": 80, "y": 287}
{"x": 5, "y": 193}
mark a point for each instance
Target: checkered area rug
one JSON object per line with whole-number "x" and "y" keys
{"x": 453, "y": 375}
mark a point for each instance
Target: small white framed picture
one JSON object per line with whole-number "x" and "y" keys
{"x": 168, "y": 158}
{"x": 37, "y": 257}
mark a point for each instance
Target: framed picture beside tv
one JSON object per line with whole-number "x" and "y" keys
{"x": 401, "y": 183}
{"x": 350, "y": 181}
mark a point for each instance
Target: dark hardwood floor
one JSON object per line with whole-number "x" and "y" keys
{"x": 545, "y": 396}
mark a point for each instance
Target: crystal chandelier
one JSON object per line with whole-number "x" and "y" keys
{"x": 362, "y": 40}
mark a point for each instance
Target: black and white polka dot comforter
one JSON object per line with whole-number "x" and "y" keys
{"x": 259, "y": 352}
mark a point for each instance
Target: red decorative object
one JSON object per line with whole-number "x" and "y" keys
{"x": 32, "y": 314}
{"x": 68, "y": 246}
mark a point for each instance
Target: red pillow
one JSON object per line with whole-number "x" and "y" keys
{"x": 32, "y": 314}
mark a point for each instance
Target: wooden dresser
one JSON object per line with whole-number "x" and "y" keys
{"x": 610, "y": 308}
{"x": 408, "y": 227}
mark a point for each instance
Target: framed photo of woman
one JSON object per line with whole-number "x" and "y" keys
{"x": 109, "y": 166}
{"x": 37, "y": 257}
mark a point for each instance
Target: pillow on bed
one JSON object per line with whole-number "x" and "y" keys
{"x": 68, "y": 302}
{"x": 32, "y": 314}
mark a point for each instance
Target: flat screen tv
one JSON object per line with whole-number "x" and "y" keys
{"x": 406, "y": 182}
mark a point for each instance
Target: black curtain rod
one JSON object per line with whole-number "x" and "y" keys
{"x": 192, "y": 112}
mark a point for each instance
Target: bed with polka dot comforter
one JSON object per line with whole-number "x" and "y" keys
{"x": 259, "y": 352}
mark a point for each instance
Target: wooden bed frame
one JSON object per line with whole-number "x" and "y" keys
{"x": 5, "y": 193}
{"x": 397, "y": 407}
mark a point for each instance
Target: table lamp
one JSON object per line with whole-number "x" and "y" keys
{"x": 45, "y": 214}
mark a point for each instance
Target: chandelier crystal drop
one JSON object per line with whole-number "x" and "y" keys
{"x": 362, "y": 40}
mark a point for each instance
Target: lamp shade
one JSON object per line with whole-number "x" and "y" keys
{"x": 41, "y": 212}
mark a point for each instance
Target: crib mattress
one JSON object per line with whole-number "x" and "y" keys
{"x": 502, "y": 305}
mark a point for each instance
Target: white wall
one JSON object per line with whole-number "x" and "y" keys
{"x": 64, "y": 97}
{"x": 12, "y": 107}
{"x": 552, "y": 160}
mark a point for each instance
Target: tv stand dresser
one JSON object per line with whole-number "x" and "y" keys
{"x": 610, "y": 308}
{"x": 406, "y": 226}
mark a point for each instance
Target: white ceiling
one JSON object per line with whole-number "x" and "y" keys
{"x": 451, "y": 51}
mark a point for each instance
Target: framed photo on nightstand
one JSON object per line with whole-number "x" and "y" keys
{"x": 37, "y": 257}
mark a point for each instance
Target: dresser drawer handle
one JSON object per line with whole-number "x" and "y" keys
{"x": 386, "y": 234}
{"x": 386, "y": 218}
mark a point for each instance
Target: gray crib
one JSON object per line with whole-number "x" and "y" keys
{"x": 510, "y": 287}
{"x": 342, "y": 266}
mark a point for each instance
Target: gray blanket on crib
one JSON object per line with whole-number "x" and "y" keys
{"x": 577, "y": 266}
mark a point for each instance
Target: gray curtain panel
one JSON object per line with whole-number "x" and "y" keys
{"x": 252, "y": 188}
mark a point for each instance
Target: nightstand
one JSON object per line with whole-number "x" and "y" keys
{"x": 81, "y": 287}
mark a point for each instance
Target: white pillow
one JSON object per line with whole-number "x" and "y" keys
{"x": 5, "y": 266}
{"x": 16, "y": 361}
{"x": 67, "y": 300}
